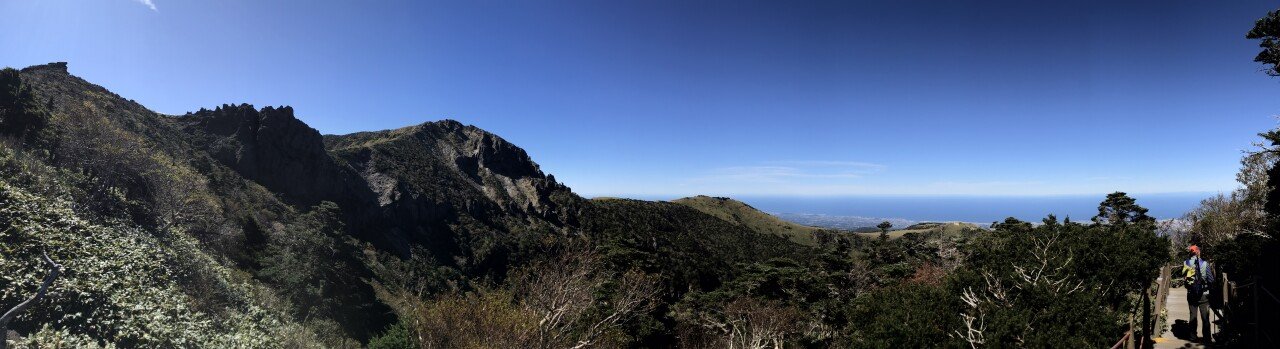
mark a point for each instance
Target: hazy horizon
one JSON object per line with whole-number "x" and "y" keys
{"x": 964, "y": 208}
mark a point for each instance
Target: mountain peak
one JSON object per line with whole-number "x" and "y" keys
{"x": 270, "y": 146}
{"x": 446, "y": 163}
{"x": 55, "y": 66}
{"x": 448, "y": 123}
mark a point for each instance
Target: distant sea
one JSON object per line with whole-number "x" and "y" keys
{"x": 979, "y": 209}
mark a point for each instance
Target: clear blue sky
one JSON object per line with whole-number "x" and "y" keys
{"x": 673, "y": 98}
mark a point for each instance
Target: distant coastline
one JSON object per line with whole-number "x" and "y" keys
{"x": 978, "y": 209}
{"x": 854, "y": 211}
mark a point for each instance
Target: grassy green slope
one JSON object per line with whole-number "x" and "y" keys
{"x": 949, "y": 228}
{"x": 739, "y": 212}
{"x": 679, "y": 238}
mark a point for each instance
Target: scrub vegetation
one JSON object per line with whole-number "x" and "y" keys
{"x": 244, "y": 227}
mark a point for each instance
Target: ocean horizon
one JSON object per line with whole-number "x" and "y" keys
{"x": 976, "y": 209}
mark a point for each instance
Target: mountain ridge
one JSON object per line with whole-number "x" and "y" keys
{"x": 247, "y": 183}
{"x": 742, "y": 213}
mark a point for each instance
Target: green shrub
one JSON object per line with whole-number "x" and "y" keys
{"x": 396, "y": 337}
{"x": 119, "y": 284}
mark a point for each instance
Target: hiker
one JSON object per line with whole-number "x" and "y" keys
{"x": 1199, "y": 278}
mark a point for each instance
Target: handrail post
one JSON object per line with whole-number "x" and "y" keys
{"x": 1226, "y": 294}
{"x": 1162, "y": 293}
{"x": 1226, "y": 299}
{"x": 1146, "y": 316}
{"x": 1148, "y": 326}
{"x": 1128, "y": 343}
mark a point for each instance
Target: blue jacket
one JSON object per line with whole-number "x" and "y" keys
{"x": 1203, "y": 276}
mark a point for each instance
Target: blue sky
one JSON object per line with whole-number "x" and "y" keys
{"x": 737, "y": 98}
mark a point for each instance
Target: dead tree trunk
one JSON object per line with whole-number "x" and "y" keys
{"x": 54, "y": 270}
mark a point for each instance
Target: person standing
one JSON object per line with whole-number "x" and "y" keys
{"x": 1199, "y": 278}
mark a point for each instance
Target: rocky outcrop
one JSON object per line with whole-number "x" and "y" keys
{"x": 55, "y": 67}
{"x": 503, "y": 172}
{"x": 432, "y": 184}
{"x": 453, "y": 188}
{"x": 470, "y": 158}
{"x": 429, "y": 180}
{"x": 272, "y": 147}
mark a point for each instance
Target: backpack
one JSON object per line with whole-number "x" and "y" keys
{"x": 1201, "y": 277}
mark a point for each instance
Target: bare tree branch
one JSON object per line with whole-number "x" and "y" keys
{"x": 562, "y": 291}
{"x": 1046, "y": 272}
{"x": 55, "y": 269}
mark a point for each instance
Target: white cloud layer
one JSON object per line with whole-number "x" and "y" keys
{"x": 149, "y": 4}
{"x": 788, "y": 171}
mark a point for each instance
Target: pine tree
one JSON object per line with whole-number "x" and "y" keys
{"x": 1119, "y": 209}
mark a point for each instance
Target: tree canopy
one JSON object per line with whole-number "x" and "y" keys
{"x": 1267, "y": 29}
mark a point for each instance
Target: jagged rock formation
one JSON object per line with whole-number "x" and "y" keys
{"x": 441, "y": 184}
{"x": 473, "y": 163}
{"x": 236, "y": 178}
{"x": 444, "y": 176}
{"x": 419, "y": 185}
{"x": 272, "y": 147}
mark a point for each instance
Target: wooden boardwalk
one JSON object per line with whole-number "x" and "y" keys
{"x": 1176, "y": 304}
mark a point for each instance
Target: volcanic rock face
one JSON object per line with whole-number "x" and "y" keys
{"x": 423, "y": 185}
{"x": 438, "y": 176}
{"x": 500, "y": 170}
{"x": 241, "y": 180}
{"x": 441, "y": 185}
{"x": 275, "y": 149}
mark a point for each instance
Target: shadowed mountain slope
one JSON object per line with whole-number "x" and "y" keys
{"x": 248, "y": 186}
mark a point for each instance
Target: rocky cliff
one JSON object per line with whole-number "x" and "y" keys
{"x": 445, "y": 176}
{"x": 419, "y": 185}
{"x": 274, "y": 148}
{"x": 236, "y": 177}
{"x": 437, "y": 202}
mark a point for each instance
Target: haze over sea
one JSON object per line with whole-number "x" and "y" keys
{"x": 976, "y": 209}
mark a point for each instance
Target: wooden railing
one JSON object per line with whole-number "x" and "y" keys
{"x": 1148, "y": 321}
{"x": 1162, "y": 296}
{"x": 1127, "y": 340}
{"x": 1230, "y": 289}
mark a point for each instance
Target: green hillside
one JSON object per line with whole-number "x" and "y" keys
{"x": 740, "y": 213}
{"x": 124, "y": 284}
{"x": 945, "y": 229}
